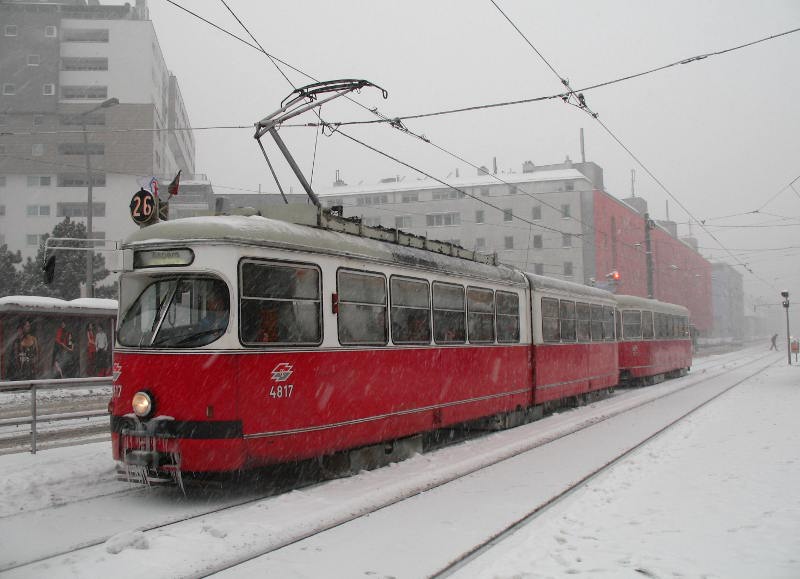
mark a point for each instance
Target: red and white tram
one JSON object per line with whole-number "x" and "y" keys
{"x": 247, "y": 341}
{"x": 654, "y": 340}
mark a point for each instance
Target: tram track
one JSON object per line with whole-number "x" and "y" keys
{"x": 529, "y": 517}
{"x": 168, "y": 524}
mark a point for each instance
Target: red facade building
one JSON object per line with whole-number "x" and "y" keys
{"x": 680, "y": 274}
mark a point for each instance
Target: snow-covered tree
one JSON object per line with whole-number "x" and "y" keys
{"x": 70, "y": 270}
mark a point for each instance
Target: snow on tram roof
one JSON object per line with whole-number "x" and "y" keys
{"x": 542, "y": 282}
{"x": 637, "y": 302}
{"x": 257, "y": 230}
{"x": 25, "y": 303}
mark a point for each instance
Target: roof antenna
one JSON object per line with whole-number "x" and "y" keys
{"x": 293, "y": 106}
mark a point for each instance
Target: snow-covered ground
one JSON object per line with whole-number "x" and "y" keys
{"x": 713, "y": 496}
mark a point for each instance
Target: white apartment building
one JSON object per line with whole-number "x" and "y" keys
{"x": 60, "y": 60}
{"x": 534, "y": 220}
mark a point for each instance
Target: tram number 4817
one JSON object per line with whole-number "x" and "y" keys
{"x": 282, "y": 391}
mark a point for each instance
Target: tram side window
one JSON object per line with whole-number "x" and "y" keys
{"x": 480, "y": 315}
{"x": 449, "y": 320}
{"x": 685, "y": 327}
{"x": 280, "y": 304}
{"x": 550, "y": 327}
{"x": 584, "y": 314}
{"x": 597, "y": 323}
{"x": 567, "y": 317}
{"x": 632, "y": 324}
{"x": 362, "y": 308}
{"x": 647, "y": 324}
{"x": 507, "y": 317}
{"x": 411, "y": 311}
{"x": 616, "y": 322}
{"x": 660, "y": 325}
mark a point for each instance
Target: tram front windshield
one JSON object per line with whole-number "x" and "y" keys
{"x": 182, "y": 312}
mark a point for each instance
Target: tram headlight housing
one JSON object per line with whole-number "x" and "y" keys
{"x": 143, "y": 404}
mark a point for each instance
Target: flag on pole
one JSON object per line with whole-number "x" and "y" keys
{"x": 173, "y": 187}
{"x": 154, "y": 186}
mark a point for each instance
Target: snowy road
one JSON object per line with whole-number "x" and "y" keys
{"x": 412, "y": 538}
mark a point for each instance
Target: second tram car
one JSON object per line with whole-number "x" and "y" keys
{"x": 654, "y": 340}
{"x": 248, "y": 341}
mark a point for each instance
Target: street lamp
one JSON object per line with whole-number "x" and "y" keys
{"x": 785, "y": 296}
{"x": 89, "y": 207}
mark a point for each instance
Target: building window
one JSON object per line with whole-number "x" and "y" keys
{"x": 537, "y": 212}
{"x": 537, "y": 241}
{"x": 441, "y": 194}
{"x": 84, "y": 92}
{"x": 372, "y": 200}
{"x": 442, "y": 219}
{"x": 38, "y": 120}
{"x": 79, "y": 180}
{"x": 32, "y": 239}
{"x": 479, "y": 216}
{"x": 34, "y": 60}
{"x": 79, "y": 209}
{"x": 508, "y": 215}
{"x": 566, "y": 240}
{"x": 84, "y": 63}
{"x": 480, "y": 243}
{"x": 509, "y": 242}
{"x": 512, "y": 189}
{"x": 48, "y": 89}
{"x": 9, "y": 89}
{"x": 81, "y": 148}
{"x": 409, "y": 197}
{"x": 2, "y": 210}
{"x": 85, "y": 34}
{"x": 484, "y": 191}
{"x": 50, "y": 31}
{"x": 402, "y": 221}
{"x": 2, "y": 180}
{"x": 37, "y": 150}
{"x": 38, "y": 210}
{"x": 11, "y": 30}
{"x": 565, "y": 212}
{"x": 568, "y": 269}
{"x": 538, "y": 268}
{"x": 97, "y": 119}
{"x": 38, "y": 180}
{"x": 569, "y": 185}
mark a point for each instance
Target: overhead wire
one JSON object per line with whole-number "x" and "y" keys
{"x": 572, "y": 97}
{"x": 583, "y": 105}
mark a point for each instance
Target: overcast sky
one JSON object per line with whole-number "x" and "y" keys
{"x": 721, "y": 134}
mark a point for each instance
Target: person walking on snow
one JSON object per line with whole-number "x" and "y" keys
{"x": 774, "y": 346}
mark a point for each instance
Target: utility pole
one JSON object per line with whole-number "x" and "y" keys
{"x": 648, "y": 225}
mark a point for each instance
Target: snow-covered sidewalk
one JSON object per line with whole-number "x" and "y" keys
{"x": 717, "y": 496}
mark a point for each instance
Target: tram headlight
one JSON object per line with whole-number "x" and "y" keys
{"x": 142, "y": 404}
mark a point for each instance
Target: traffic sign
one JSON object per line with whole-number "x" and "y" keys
{"x": 143, "y": 208}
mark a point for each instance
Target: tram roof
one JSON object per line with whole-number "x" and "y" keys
{"x": 542, "y": 282}
{"x": 262, "y": 231}
{"x": 41, "y": 304}
{"x": 636, "y": 302}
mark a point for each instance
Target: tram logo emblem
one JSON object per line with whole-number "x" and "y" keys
{"x": 282, "y": 372}
{"x": 117, "y": 371}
